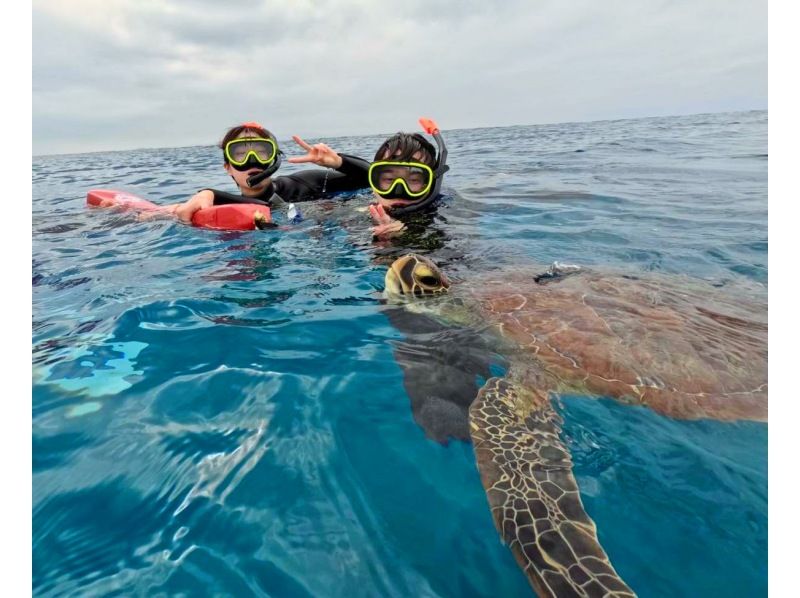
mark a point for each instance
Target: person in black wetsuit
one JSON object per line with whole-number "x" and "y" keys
{"x": 251, "y": 157}
{"x": 406, "y": 178}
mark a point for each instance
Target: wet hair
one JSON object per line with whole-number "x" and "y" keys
{"x": 234, "y": 132}
{"x": 403, "y": 146}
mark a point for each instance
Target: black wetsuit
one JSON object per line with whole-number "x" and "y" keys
{"x": 306, "y": 185}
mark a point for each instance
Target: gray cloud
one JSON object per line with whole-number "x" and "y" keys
{"x": 116, "y": 74}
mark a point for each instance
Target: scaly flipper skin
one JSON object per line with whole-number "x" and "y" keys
{"x": 527, "y": 473}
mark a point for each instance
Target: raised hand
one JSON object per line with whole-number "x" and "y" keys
{"x": 319, "y": 154}
{"x": 386, "y": 226}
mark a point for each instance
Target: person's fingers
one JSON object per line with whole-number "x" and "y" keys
{"x": 184, "y": 213}
{"x": 318, "y": 153}
{"x": 387, "y": 230}
{"x": 382, "y": 216}
{"x": 373, "y": 211}
{"x": 378, "y": 214}
{"x": 299, "y": 141}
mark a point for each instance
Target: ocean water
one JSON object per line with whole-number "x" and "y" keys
{"x": 222, "y": 413}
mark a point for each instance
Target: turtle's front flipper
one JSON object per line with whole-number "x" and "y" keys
{"x": 527, "y": 473}
{"x": 441, "y": 365}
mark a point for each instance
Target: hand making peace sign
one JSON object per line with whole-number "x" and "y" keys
{"x": 385, "y": 226}
{"x": 319, "y": 154}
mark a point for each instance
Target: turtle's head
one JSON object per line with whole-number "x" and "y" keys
{"x": 415, "y": 275}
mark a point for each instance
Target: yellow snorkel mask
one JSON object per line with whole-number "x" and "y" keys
{"x": 240, "y": 152}
{"x": 402, "y": 180}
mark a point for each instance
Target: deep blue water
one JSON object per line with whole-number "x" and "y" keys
{"x": 222, "y": 413}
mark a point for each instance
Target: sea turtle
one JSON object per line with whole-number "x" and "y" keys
{"x": 685, "y": 350}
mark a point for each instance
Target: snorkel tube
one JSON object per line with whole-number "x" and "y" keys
{"x": 440, "y": 167}
{"x": 268, "y": 172}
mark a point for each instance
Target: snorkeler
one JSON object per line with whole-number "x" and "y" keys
{"x": 406, "y": 178}
{"x": 251, "y": 156}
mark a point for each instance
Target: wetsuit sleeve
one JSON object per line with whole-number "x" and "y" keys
{"x": 350, "y": 176}
{"x": 222, "y": 198}
{"x": 356, "y": 169}
{"x": 313, "y": 184}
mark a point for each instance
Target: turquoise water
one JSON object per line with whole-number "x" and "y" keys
{"x": 223, "y": 414}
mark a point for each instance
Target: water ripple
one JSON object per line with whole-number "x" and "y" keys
{"x": 222, "y": 413}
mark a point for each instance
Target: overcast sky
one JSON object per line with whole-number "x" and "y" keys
{"x": 121, "y": 74}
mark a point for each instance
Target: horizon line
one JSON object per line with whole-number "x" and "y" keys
{"x": 569, "y": 122}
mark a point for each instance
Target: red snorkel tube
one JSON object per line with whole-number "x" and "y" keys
{"x": 440, "y": 167}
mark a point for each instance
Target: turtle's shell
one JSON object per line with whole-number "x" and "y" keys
{"x": 680, "y": 346}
